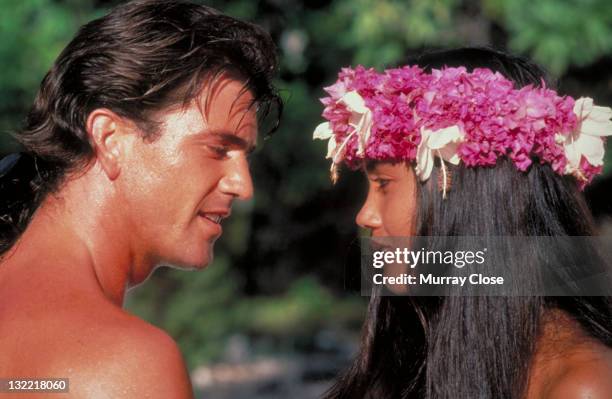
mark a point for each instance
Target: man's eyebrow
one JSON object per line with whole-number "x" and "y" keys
{"x": 232, "y": 139}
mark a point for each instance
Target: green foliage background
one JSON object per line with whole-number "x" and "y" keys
{"x": 280, "y": 270}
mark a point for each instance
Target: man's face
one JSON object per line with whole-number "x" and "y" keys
{"x": 178, "y": 188}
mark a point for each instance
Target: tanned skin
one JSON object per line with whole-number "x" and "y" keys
{"x": 138, "y": 205}
{"x": 568, "y": 364}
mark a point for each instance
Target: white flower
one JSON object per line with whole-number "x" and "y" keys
{"x": 324, "y": 132}
{"x": 360, "y": 119}
{"x": 442, "y": 143}
{"x": 587, "y": 140}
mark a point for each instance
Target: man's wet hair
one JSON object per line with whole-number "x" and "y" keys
{"x": 142, "y": 57}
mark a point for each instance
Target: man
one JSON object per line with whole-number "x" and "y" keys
{"x": 135, "y": 150}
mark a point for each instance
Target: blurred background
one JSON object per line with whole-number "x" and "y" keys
{"x": 276, "y": 314}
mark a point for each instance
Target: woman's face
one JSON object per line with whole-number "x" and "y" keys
{"x": 390, "y": 209}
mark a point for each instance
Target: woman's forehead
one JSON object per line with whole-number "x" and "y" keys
{"x": 372, "y": 166}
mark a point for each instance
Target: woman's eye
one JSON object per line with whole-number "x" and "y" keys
{"x": 381, "y": 183}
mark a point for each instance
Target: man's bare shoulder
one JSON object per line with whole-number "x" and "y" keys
{"x": 129, "y": 358}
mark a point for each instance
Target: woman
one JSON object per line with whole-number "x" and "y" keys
{"x": 469, "y": 151}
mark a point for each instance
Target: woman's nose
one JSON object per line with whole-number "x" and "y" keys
{"x": 368, "y": 217}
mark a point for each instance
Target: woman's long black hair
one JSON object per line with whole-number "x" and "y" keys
{"x": 467, "y": 347}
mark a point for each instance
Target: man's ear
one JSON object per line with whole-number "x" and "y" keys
{"x": 107, "y": 132}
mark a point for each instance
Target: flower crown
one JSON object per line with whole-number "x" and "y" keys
{"x": 406, "y": 114}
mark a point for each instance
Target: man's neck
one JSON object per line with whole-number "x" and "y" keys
{"x": 74, "y": 239}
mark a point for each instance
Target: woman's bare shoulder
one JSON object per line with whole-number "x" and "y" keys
{"x": 587, "y": 375}
{"x": 569, "y": 363}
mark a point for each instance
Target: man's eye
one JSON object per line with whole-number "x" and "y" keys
{"x": 219, "y": 151}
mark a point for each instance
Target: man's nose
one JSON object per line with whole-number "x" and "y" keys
{"x": 369, "y": 217}
{"x": 237, "y": 180}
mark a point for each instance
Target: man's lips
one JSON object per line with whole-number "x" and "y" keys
{"x": 215, "y": 216}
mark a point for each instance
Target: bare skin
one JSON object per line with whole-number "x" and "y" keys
{"x": 138, "y": 205}
{"x": 568, "y": 364}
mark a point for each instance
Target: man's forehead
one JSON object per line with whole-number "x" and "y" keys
{"x": 226, "y": 110}
{"x": 227, "y": 92}
{"x": 235, "y": 126}
{"x": 242, "y": 122}
{"x": 228, "y": 105}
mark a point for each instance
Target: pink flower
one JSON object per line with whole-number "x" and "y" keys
{"x": 406, "y": 114}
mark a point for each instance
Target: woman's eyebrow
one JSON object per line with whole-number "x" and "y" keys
{"x": 370, "y": 166}
{"x": 372, "y": 170}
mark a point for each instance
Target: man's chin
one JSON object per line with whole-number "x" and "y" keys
{"x": 198, "y": 264}
{"x": 197, "y": 261}
{"x": 188, "y": 265}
